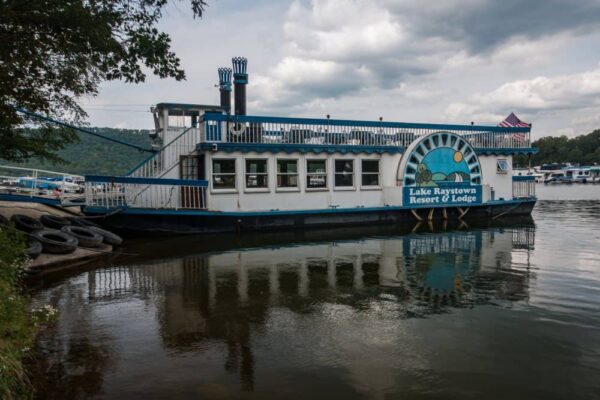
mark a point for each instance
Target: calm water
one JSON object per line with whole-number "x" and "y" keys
{"x": 504, "y": 311}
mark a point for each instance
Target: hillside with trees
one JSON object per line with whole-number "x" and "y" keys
{"x": 583, "y": 150}
{"x": 93, "y": 155}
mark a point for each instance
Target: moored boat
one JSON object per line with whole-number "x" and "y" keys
{"x": 218, "y": 171}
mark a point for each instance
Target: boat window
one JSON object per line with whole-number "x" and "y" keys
{"x": 502, "y": 166}
{"x": 370, "y": 173}
{"x": 344, "y": 173}
{"x": 287, "y": 173}
{"x": 316, "y": 174}
{"x": 256, "y": 174}
{"x": 223, "y": 174}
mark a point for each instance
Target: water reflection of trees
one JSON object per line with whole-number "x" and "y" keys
{"x": 69, "y": 364}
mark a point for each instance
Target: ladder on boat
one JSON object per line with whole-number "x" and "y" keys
{"x": 161, "y": 163}
{"x": 168, "y": 157}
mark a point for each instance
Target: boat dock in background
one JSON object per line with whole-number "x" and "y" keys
{"x": 41, "y": 186}
{"x": 571, "y": 174}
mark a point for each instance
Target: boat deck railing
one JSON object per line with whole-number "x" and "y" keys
{"x": 38, "y": 185}
{"x": 114, "y": 192}
{"x": 523, "y": 186}
{"x": 304, "y": 131}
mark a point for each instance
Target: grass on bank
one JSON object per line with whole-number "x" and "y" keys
{"x": 18, "y": 324}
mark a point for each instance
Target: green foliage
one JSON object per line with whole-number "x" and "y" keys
{"x": 584, "y": 150}
{"x": 17, "y": 329}
{"x": 54, "y": 51}
{"x": 92, "y": 155}
{"x": 19, "y": 325}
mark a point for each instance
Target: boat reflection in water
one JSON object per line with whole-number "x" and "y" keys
{"x": 265, "y": 313}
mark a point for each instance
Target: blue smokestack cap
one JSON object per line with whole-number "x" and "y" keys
{"x": 239, "y": 69}
{"x": 225, "y": 78}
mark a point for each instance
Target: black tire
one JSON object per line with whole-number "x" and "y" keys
{"x": 3, "y": 220}
{"x": 34, "y": 249}
{"x": 76, "y": 221}
{"x": 54, "y": 222}
{"x": 85, "y": 236}
{"x": 25, "y": 223}
{"x": 55, "y": 242}
{"x": 108, "y": 237}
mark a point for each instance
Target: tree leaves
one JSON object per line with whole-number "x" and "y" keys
{"x": 583, "y": 149}
{"x": 54, "y": 51}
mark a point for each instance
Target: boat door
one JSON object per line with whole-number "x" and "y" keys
{"x": 192, "y": 168}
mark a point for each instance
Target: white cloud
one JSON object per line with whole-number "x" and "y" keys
{"x": 456, "y": 60}
{"x": 538, "y": 95}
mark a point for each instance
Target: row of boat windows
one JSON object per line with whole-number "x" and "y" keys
{"x": 257, "y": 173}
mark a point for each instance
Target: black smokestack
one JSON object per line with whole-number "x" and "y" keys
{"x": 225, "y": 88}
{"x": 240, "y": 80}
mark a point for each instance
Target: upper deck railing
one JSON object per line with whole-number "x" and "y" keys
{"x": 273, "y": 130}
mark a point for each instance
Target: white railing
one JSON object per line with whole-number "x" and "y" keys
{"x": 51, "y": 185}
{"x": 270, "y": 130}
{"x": 149, "y": 193}
{"x": 523, "y": 187}
{"x": 168, "y": 157}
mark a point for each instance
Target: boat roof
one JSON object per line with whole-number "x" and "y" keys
{"x": 187, "y": 109}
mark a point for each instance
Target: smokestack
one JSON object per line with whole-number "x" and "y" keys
{"x": 225, "y": 88}
{"x": 240, "y": 80}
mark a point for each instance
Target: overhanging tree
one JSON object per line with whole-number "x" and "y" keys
{"x": 54, "y": 51}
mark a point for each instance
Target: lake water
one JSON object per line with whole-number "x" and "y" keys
{"x": 445, "y": 312}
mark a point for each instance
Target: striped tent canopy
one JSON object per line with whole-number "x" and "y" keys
{"x": 512, "y": 121}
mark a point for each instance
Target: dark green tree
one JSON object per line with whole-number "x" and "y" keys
{"x": 54, "y": 51}
{"x": 583, "y": 149}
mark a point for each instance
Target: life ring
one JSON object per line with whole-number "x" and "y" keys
{"x": 108, "y": 237}
{"x": 54, "y": 222}
{"x": 85, "y": 236}
{"x": 25, "y": 223}
{"x": 237, "y": 128}
{"x": 55, "y": 242}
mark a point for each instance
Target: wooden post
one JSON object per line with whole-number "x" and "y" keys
{"x": 412, "y": 210}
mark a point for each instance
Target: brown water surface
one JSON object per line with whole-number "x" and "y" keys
{"x": 510, "y": 310}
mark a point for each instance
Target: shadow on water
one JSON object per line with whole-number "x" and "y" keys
{"x": 209, "y": 299}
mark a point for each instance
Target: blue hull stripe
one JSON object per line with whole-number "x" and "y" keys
{"x": 99, "y": 210}
{"x": 338, "y": 148}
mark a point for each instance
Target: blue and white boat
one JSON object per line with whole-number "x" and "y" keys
{"x": 220, "y": 170}
{"x": 571, "y": 174}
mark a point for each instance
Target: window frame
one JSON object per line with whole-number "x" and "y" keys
{"x": 277, "y": 173}
{"x": 212, "y": 175}
{"x": 262, "y": 189}
{"x": 499, "y": 169}
{"x": 309, "y": 174}
{"x": 378, "y": 173}
{"x": 335, "y": 174}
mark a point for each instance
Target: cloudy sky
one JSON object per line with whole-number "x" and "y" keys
{"x": 445, "y": 61}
